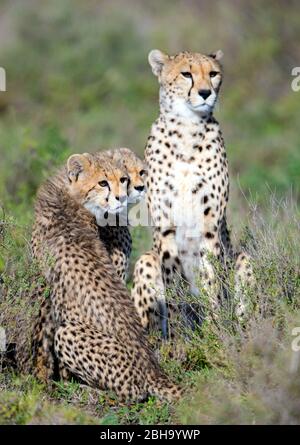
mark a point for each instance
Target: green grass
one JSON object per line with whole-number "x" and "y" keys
{"x": 25, "y": 401}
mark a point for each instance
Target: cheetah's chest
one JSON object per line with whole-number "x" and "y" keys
{"x": 186, "y": 206}
{"x": 180, "y": 180}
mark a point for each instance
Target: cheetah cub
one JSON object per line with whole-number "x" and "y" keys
{"x": 136, "y": 171}
{"x": 98, "y": 336}
{"x": 117, "y": 238}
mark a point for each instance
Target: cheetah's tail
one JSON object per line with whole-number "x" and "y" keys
{"x": 164, "y": 389}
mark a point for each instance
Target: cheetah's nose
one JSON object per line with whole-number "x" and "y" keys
{"x": 204, "y": 93}
{"x": 140, "y": 188}
{"x": 121, "y": 198}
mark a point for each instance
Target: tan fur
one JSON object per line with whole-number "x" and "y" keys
{"x": 98, "y": 336}
{"x": 187, "y": 182}
{"x": 135, "y": 168}
{"x": 245, "y": 283}
{"x": 148, "y": 290}
{"x": 118, "y": 239}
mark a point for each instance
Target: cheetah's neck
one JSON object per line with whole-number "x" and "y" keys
{"x": 185, "y": 137}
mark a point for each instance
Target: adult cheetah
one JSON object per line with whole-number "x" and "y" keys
{"x": 98, "y": 336}
{"x": 187, "y": 182}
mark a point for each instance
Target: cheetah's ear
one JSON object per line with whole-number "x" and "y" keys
{"x": 157, "y": 59}
{"x": 217, "y": 55}
{"x": 78, "y": 165}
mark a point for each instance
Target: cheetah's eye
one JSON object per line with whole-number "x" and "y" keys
{"x": 103, "y": 183}
{"x": 187, "y": 74}
{"x": 142, "y": 172}
{"x": 124, "y": 179}
{"x": 213, "y": 73}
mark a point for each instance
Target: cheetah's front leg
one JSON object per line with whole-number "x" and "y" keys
{"x": 245, "y": 283}
{"x": 196, "y": 255}
{"x": 148, "y": 292}
{"x": 118, "y": 242}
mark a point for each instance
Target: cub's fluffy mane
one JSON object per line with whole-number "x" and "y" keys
{"x": 55, "y": 203}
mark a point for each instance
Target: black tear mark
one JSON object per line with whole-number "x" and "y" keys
{"x": 90, "y": 190}
{"x": 192, "y": 82}
{"x": 167, "y": 232}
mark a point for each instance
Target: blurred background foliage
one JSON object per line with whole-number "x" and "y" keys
{"x": 78, "y": 80}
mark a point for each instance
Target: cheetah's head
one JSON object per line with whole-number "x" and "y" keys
{"x": 97, "y": 183}
{"x": 136, "y": 170}
{"x": 189, "y": 82}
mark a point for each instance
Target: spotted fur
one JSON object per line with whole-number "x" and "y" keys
{"x": 117, "y": 239}
{"x": 98, "y": 336}
{"x": 187, "y": 182}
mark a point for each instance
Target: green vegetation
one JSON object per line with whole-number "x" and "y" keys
{"x": 77, "y": 81}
